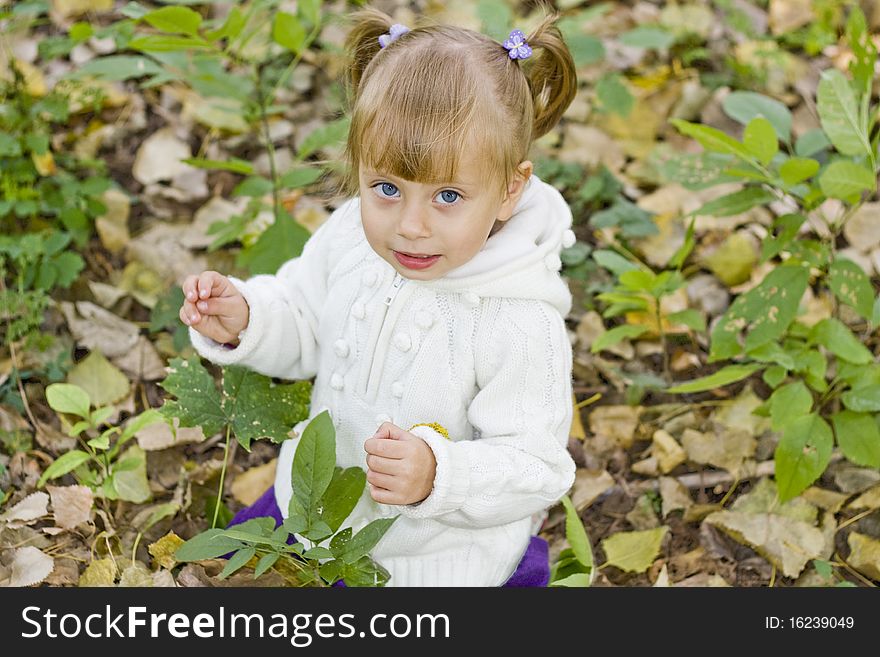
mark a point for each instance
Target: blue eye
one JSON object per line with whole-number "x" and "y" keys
{"x": 449, "y": 201}
{"x": 386, "y": 187}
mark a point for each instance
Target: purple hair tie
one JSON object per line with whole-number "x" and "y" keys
{"x": 396, "y": 30}
{"x": 516, "y": 45}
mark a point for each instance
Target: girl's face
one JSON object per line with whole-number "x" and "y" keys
{"x": 448, "y": 222}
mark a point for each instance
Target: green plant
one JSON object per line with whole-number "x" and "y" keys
{"x": 247, "y": 404}
{"x": 813, "y": 370}
{"x": 324, "y": 495}
{"x": 100, "y": 464}
{"x": 639, "y": 296}
{"x": 574, "y": 566}
{"x": 236, "y": 66}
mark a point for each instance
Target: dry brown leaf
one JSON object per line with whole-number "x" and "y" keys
{"x": 72, "y": 505}
{"x": 29, "y": 510}
{"x": 674, "y": 495}
{"x": 163, "y": 550}
{"x": 668, "y": 452}
{"x": 112, "y": 226}
{"x": 96, "y": 328}
{"x": 617, "y": 423}
{"x": 160, "y": 156}
{"x": 727, "y": 449}
{"x": 864, "y": 555}
{"x": 159, "y": 436}
{"x": 250, "y": 485}
{"x": 142, "y": 362}
{"x": 870, "y": 499}
{"x": 27, "y": 566}
{"x": 588, "y": 485}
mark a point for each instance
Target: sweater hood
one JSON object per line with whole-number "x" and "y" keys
{"x": 522, "y": 259}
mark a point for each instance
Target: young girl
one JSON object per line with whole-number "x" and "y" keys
{"x": 429, "y": 306}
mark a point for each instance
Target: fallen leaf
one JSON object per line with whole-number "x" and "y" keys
{"x": 588, "y": 485}
{"x": 738, "y": 413}
{"x": 73, "y": 8}
{"x": 864, "y": 555}
{"x": 762, "y": 499}
{"x": 142, "y": 283}
{"x": 163, "y": 550}
{"x": 136, "y": 574}
{"x": 112, "y": 226}
{"x": 733, "y": 260}
{"x": 72, "y": 505}
{"x": 827, "y": 499}
{"x": 100, "y": 378}
{"x": 30, "y": 509}
{"x": 250, "y": 485}
{"x": 143, "y": 362}
{"x": 788, "y": 15}
{"x": 727, "y": 449}
{"x": 854, "y": 479}
{"x": 668, "y": 452}
{"x": 159, "y": 248}
{"x": 100, "y": 572}
{"x": 97, "y": 329}
{"x": 862, "y": 230}
{"x": 159, "y": 436}
{"x": 642, "y": 516}
{"x": 674, "y": 495}
{"x": 577, "y": 426}
{"x": 633, "y": 551}
{"x": 870, "y": 499}
{"x": 29, "y": 566}
{"x": 703, "y": 580}
{"x": 163, "y": 578}
{"x": 617, "y": 423}
{"x": 662, "y": 580}
{"x": 160, "y": 157}
{"x": 106, "y": 295}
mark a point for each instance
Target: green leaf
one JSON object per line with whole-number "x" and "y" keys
{"x": 310, "y": 10}
{"x": 722, "y": 377}
{"x": 236, "y": 561}
{"x": 145, "y": 419}
{"x": 681, "y": 254}
{"x": 234, "y": 164}
{"x": 712, "y": 139}
{"x": 62, "y": 465}
{"x": 736, "y": 203}
{"x": 839, "y": 114}
{"x": 691, "y": 318}
{"x": 253, "y": 186}
{"x": 761, "y": 140}
{"x": 287, "y": 31}
{"x": 833, "y": 334}
{"x": 131, "y": 483}
{"x": 802, "y": 455}
{"x": 575, "y": 580}
{"x": 789, "y": 403}
{"x": 774, "y": 375}
{"x": 280, "y": 242}
{"x": 117, "y": 68}
{"x": 862, "y": 398}
{"x": 68, "y": 398}
{"x": 209, "y": 544}
{"x": 744, "y": 106}
{"x": 614, "y": 95}
{"x": 265, "y": 563}
{"x": 858, "y": 436}
{"x": 577, "y": 535}
{"x": 364, "y": 541}
{"x": 852, "y": 286}
{"x": 318, "y": 552}
{"x": 176, "y": 20}
{"x": 797, "y": 169}
{"x": 846, "y": 180}
{"x": 342, "y": 495}
{"x": 160, "y": 43}
{"x": 765, "y": 312}
{"x": 231, "y": 28}
{"x": 633, "y": 552}
{"x": 314, "y": 462}
{"x": 586, "y": 49}
{"x": 258, "y": 408}
{"x": 771, "y": 352}
{"x": 103, "y": 382}
{"x": 198, "y": 403}
{"x": 617, "y": 334}
{"x": 859, "y": 39}
{"x": 811, "y": 142}
{"x": 647, "y": 36}
{"x": 299, "y": 177}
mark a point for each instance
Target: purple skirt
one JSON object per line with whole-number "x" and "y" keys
{"x": 533, "y": 568}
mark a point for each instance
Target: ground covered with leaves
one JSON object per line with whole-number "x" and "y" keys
{"x": 720, "y": 159}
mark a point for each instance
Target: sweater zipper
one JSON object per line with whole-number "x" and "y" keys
{"x": 390, "y": 295}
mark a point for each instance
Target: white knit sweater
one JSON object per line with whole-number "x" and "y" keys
{"x": 483, "y": 351}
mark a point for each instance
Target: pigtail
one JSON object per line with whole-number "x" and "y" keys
{"x": 362, "y": 44}
{"x": 552, "y": 77}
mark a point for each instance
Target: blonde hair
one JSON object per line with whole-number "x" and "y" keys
{"x": 439, "y": 94}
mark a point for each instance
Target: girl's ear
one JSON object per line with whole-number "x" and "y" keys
{"x": 515, "y": 190}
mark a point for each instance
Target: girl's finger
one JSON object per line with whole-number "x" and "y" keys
{"x": 380, "y": 479}
{"x": 220, "y": 306}
{"x": 189, "y": 287}
{"x": 384, "y": 465}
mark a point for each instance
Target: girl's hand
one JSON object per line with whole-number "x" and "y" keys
{"x": 214, "y": 307}
{"x": 400, "y": 466}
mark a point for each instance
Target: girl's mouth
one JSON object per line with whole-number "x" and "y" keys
{"x": 415, "y": 262}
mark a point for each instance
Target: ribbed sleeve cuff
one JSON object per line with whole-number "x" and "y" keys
{"x": 249, "y": 338}
{"x": 451, "y": 479}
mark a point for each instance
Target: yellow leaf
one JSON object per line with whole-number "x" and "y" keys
{"x": 71, "y": 8}
{"x": 101, "y": 572}
{"x": 865, "y": 554}
{"x": 45, "y": 163}
{"x": 577, "y": 426}
{"x": 163, "y": 550}
{"x": 634, "y": 552}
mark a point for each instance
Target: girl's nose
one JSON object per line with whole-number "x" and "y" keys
{"x": 413, "y": 223}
